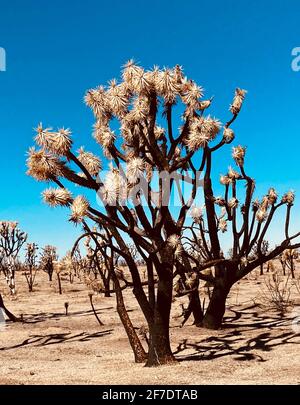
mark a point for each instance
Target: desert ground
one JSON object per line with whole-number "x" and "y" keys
{"x": 256, "y": 345}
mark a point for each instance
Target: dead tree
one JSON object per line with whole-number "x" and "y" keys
{"x": 256, "y": 217}
{"x": 11, "y": 242}
{"x": 74, "y": 264}
{"x": 148, "y": 163}
{"x": 58, "y": 268}
{"x": 30, "y": 265}
{"x": 287, "y": 259}
{"x": 47, "y": 258}
{"x": 70, "y": 266}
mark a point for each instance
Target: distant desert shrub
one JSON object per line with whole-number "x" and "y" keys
{"x": 276, "y": 292}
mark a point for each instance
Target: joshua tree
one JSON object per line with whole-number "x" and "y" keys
{"x": 147, "y": 166}
{"x": 254, "y": 226}
{"x": 58, "y": 267}
{"x": 11, "y": 241}
{"x": 47, "y": 259}
{"x": 287, "y": 259}
{"x": 70, "y": 266}
{"x": 30, "y": 264}
{"x": 74, "y": 264}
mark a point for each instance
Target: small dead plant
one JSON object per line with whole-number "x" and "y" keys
{"x": 276, "y": 293}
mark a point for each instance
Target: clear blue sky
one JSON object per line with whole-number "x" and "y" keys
{"x": 58, "y": 49}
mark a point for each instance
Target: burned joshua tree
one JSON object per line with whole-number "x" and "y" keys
{"x": 11, "y": 242}
{"x": 147, "y": 165}
{"x": 287, "y": 259}
{"x": 74, "y": 264}
{"x": 47, "y": 260}
{"x": 30, "y": 265}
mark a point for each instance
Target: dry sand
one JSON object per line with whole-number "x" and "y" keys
{"x": 255, "y": 345}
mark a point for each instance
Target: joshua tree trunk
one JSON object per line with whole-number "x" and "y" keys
{"x": 159, "y": 343}
{"x": 12, "y": 283}
{"x": 95, "y": 313}
{"x": 194, "y": 308}
{"x": 261, "y": 269}
{"x": 30, "y": 280}
{"x": 10, "y": 280}
{"x": 292, "y": 268}
{"x": 140, "y": 355}
{"x": 216, "y": 308}
{"x": 195, "y": 304}
{"x": 59, "y": 284}
{"x": 106, "y": 288}
{"x": 283, "y": 266}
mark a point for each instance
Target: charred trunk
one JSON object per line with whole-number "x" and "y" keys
{"x": 283, "y": 267}
{"x": 10, "y": 279}
{"x": 217, "y": 305}
{"x": 106, "y": 288}
{"x": 159, "y": 343}
{"x": 94, "y": 310}
{"x": 140, "y": 355}
{"x": 195, "y": 304}
{"x": 292, "y": 268}
{"x": 261, "y": 269}
{"x": 194, "y": 308}
{"x": 59, "y": 284}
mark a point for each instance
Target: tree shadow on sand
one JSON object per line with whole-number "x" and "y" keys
{"x": 43, "y": 316}
{"x": 236, "y": 342}
{"x": 58, "y": 338}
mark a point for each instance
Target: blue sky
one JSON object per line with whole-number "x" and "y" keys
{"x": 56, "y": 50}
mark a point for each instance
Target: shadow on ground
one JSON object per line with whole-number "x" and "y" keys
{"x": 43, "y": 316}
{"x": 235, "y": 339}
{"x": 58, "y": 338}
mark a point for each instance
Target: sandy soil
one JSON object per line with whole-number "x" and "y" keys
{"x": 255, "y": 345}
